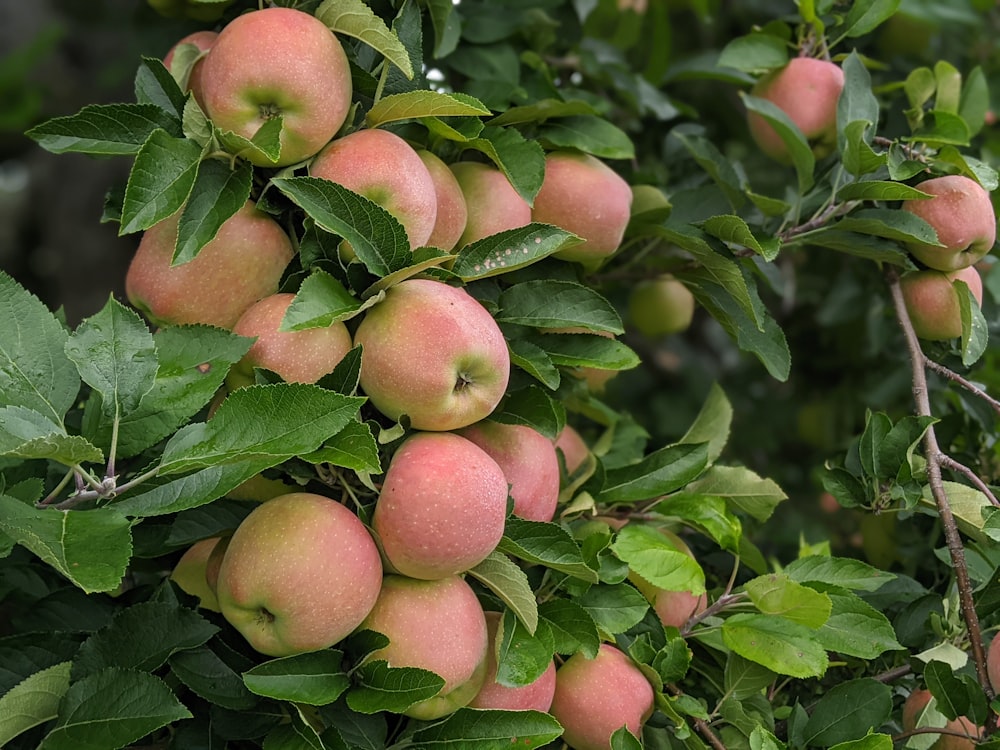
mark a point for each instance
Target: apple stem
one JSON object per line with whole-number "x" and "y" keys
{"x": 936, "y": 459}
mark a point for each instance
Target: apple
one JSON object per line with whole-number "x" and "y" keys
{"x": 493, "y": 205}
{"x": 260, "y": 488}
{"x": 535, "y": 696}
{"x": 300, "y": 573}
{"x": 914, "y": 706}
{"x": 673, "y": 608}
{"x": 583, "y": 195}
{"x": 962, "y": 214}
{"x": 932, "y": 300}
{"x": 573, "y": 447}
{"x": 647, "y": 199}
{"x": 660, "y": 306}
{"x": 190, "y": 573}
{"x": 442, "y": 506}
{"x": 242, "y": 264}
{"x": 435, "y": 625}
{"x": 190, "y": 79}
{"x": 595, "y": 697}
{"x": 993, "y": 662}
{"x": 807, "y": 90}
{"x": 297, "y": 356}
{"x": 386, "y": 169}
{"x": 529, "y": 462}
{"x": 278, "y": 62}
{"x": 431, "y": 351}
{"x": 452, "y": 212}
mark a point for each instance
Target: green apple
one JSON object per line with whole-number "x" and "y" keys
{"x": 660, "y": 306}
{"x": 962, "y": 214}
{"x": 190, "y": 573}
{"x": 431, "y": 351}
{"x": 300, "y": 573}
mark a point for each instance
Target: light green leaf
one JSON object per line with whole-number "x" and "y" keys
{"x": 975, "y": 331}
{"x": 572, "y": 627}
{"x": 712, "y": 425}
{"x": 838, "y": 571}
{"x": 506, "y": 579}
{"x": 354, "y": 447}
{"x": 656, "y": 559}
{"x": 614, "y": 607}
{"x": 742, "y": 489}
{"x": 893, "y": 224}
{"x": 880, "y": 190}
{"x": 33, "y": 701}
{"x": 854, "y": 627}
{"x": 735, "y": 231}
{"x": 520, "y": 159}
{"x": 320, "y": 301}
{"x": 422, "y": 103}
{"x": 865, "y": 17}
{"x": 28, "y": 434}
{"x": 521, "y": 657}
{"x": 776, "y": 594}
{"x": 754, "y": 53}
{"x": 354, "y": 18}
{"x": 781, "y": 645}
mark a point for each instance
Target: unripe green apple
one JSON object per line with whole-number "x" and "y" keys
{"x": 529, "y": 463}
{"x": 806, "y": 89}
{"x": 386, "y": 169}
{"x": 190, "y": 573}
{"x": 493, "y": 205}
{"x": 535, "y": 696}
{"x": 442, "y": 506}
{"x": 595, "y": 697}
{"x": 648, "y": 198}
{"x": 452, "y": 211}
{"x": 962, "y": 214}
{"x": 661, "y": 306}
{"x": 300, "y": 573}
{"x": 932, "y": 300}
{"x": 916, "y": 703}
{"x": 242, "y": 264}
{"x": 435, "y": 625}
{"x": 433, "y": 352}
{"x": 583, "y": 195}
{"x": 302, "y": 356}
{"x": 278, "y": 62}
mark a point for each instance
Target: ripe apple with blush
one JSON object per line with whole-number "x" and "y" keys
{"x": 493, "y": 205}
{"x": 278, "y": 62}
{"x": 242, "y": 264}
{"x": 914, "y": 706}
{"x": 452, "y": 211}
{"x": 932, "y": 300}
{"x": 189, "y": 79}
{"x": 535, "y": 696}
{"x": 573, "y": 447}
{"x": 441, "y": 507}
{"x": 431, "y": 351}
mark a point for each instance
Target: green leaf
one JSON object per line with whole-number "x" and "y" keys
{"x": 658, "y": 473}
{"x": 623, "y": 739}
{"x": 28, "y": 434}
{"x": 209, "y": 677}
{"x": 865, "y": 17}
{"x": 154, "y": 85}
{"x": 505, "y": 579}
{"x": 91, "y": 548}
{"x": 219, "y": 191}
{"x": 880, "y": 190}
{"x": 877, "y": 427}
{"x": 545, "y": 544}
{"x": 35, "y": 372}
{"x": 744, "y": 678}
{"x": 355, "y": 19}
{"x": 314, "y": 679}
{"x": 586, "y": 350}
{"x": 798, "y": 147}
{"x": 572, "y": 627}
{"x": 521, "y": 657}
{"x": 354, "y": 447}
{"x": 533, "y": 407}
{"x": 379, "y": 687}
{"x": 859, "y": 157}
{"x": 859, "y": 245}
{"x": 161, "y": 180}
{"x": 264, "y": 147}
{"x": 856, "y": 103}
{"x": 975, "y": 101}
{"x": 533, "y": 360}
{"x": 545, "y": 303}
{"x": 423, "y": 103}
{"x": 838, "y": 571}
{"x": 142, "y": 637}
{"x": 712, "y": 425}
{"x": 783, "y": 646}
{"x": 614, "y": 607}
{"x": 734, "y": 231}
{"x": 33, "y": 701}
{"x": 655, "y": 558}
{"x": 511, "y": 249}
{"x": 375, "y": 235}
{"x": 741, "y": 488}
{"x": 111, "y": 709}
{"x": 898, "y": 446}
{"x": 588, "y": 133}
{"x": 975, "y": 331}
{"x": 708, "y": 513}
{"x": 893, "y": 224}
{"x": 854, "y": 627}
{"x": 718, "y": 167}
{"x": 521, "y": 160}
{"x": 541, "y": 110}
{"x": 480, "y": 729}
{"x": 114, "y": 352}
{"x": 848, "y": 711}
{"x": 754, "y": 53}
{"x": 320, "y": 302}
{"x": 776, "y": 594}
{"x": 279, "y": 420}
{"x": 947, "y": 689}
{"x": 868, "y": 742}
{"x": 104, "y": 129}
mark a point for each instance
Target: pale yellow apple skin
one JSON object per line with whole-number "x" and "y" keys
{"x": 452, "y": 211}
{"x": 595, "y": 697}
{"x": 574, "y": 448}
{"x": 297, "y": 356}
{"x": 433, "y": 352}
{"x": 962, "y": 214}
{"x": 493, "y": 205}
{"x": 386, "y": 169}
{"x": 442, "y": 506}
{"x": 435, "y": 625}
{"x": 529, "y": 463}
{"x": 203, "y": 40}
{"x": 661, "y": 307}
{"x": 536, "y": 696}
{"x": 190, "y": 573}
{"x": 278, "y": 61}
{"x": 807, "y": 90}
{"x": 915, "y": 703}
{"x": 242, "y": 264}
{"x": 932, "y": 301}
{"x": 300, "y": 573}
{"x": 583, "y": 195}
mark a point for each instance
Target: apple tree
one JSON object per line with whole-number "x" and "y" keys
{"x": 592, "y": 374}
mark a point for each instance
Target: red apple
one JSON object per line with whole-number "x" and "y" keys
{"x": 442, "y": 506}
{"x": 300, "y": 573}
{"x": 190, "y": 80}
{"x": 916, "y": 703}
{"x": 433, "y": 352}
{"x": 493, "y": 205}
{"x": 932, "y": 300}
{"x": 278, "y": 62}
{"x": 536, "y": 696}
{"x": 242, "y": 264}
{"x": 574, "y": 448}
{"x": 962, "y": 214}
{"x": 452, "y": 212}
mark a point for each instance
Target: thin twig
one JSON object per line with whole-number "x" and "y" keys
{"x": 940, "y": 369}
{"x": 700, "y": 724}
{"x": 950, "y": 463}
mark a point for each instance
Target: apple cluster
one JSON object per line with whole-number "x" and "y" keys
{"x": 956, "y": 207}
{"x": 303, "y": 571}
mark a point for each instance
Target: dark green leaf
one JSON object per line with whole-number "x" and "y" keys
{"x": 354, "y": 447}
{"x": 572, "y": 627}
{"x": 798, "y": 147}
{"x": 161, "y": 180}
{"x": 104, "y": 129}
{"x": 838, "y": 571}
{"x": 219, "y": 191}
{"x": 154, "y": 85}
{"x": 211, "y": 678}
{"x": 314, "y": 679}
{"x": 546, "y": 544}
{"x": 590, "y": 134}
{"x": 511, "y": 249}
{"x": 865, "y": 17}
{"x": 849, "y": 711}
{"x": 754, "y": 53}
{"x": 379, "y": 687}
{"x": 476, "y": 729}
{"x": 658, "y": 473}
{"x": 557, "y": 304}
